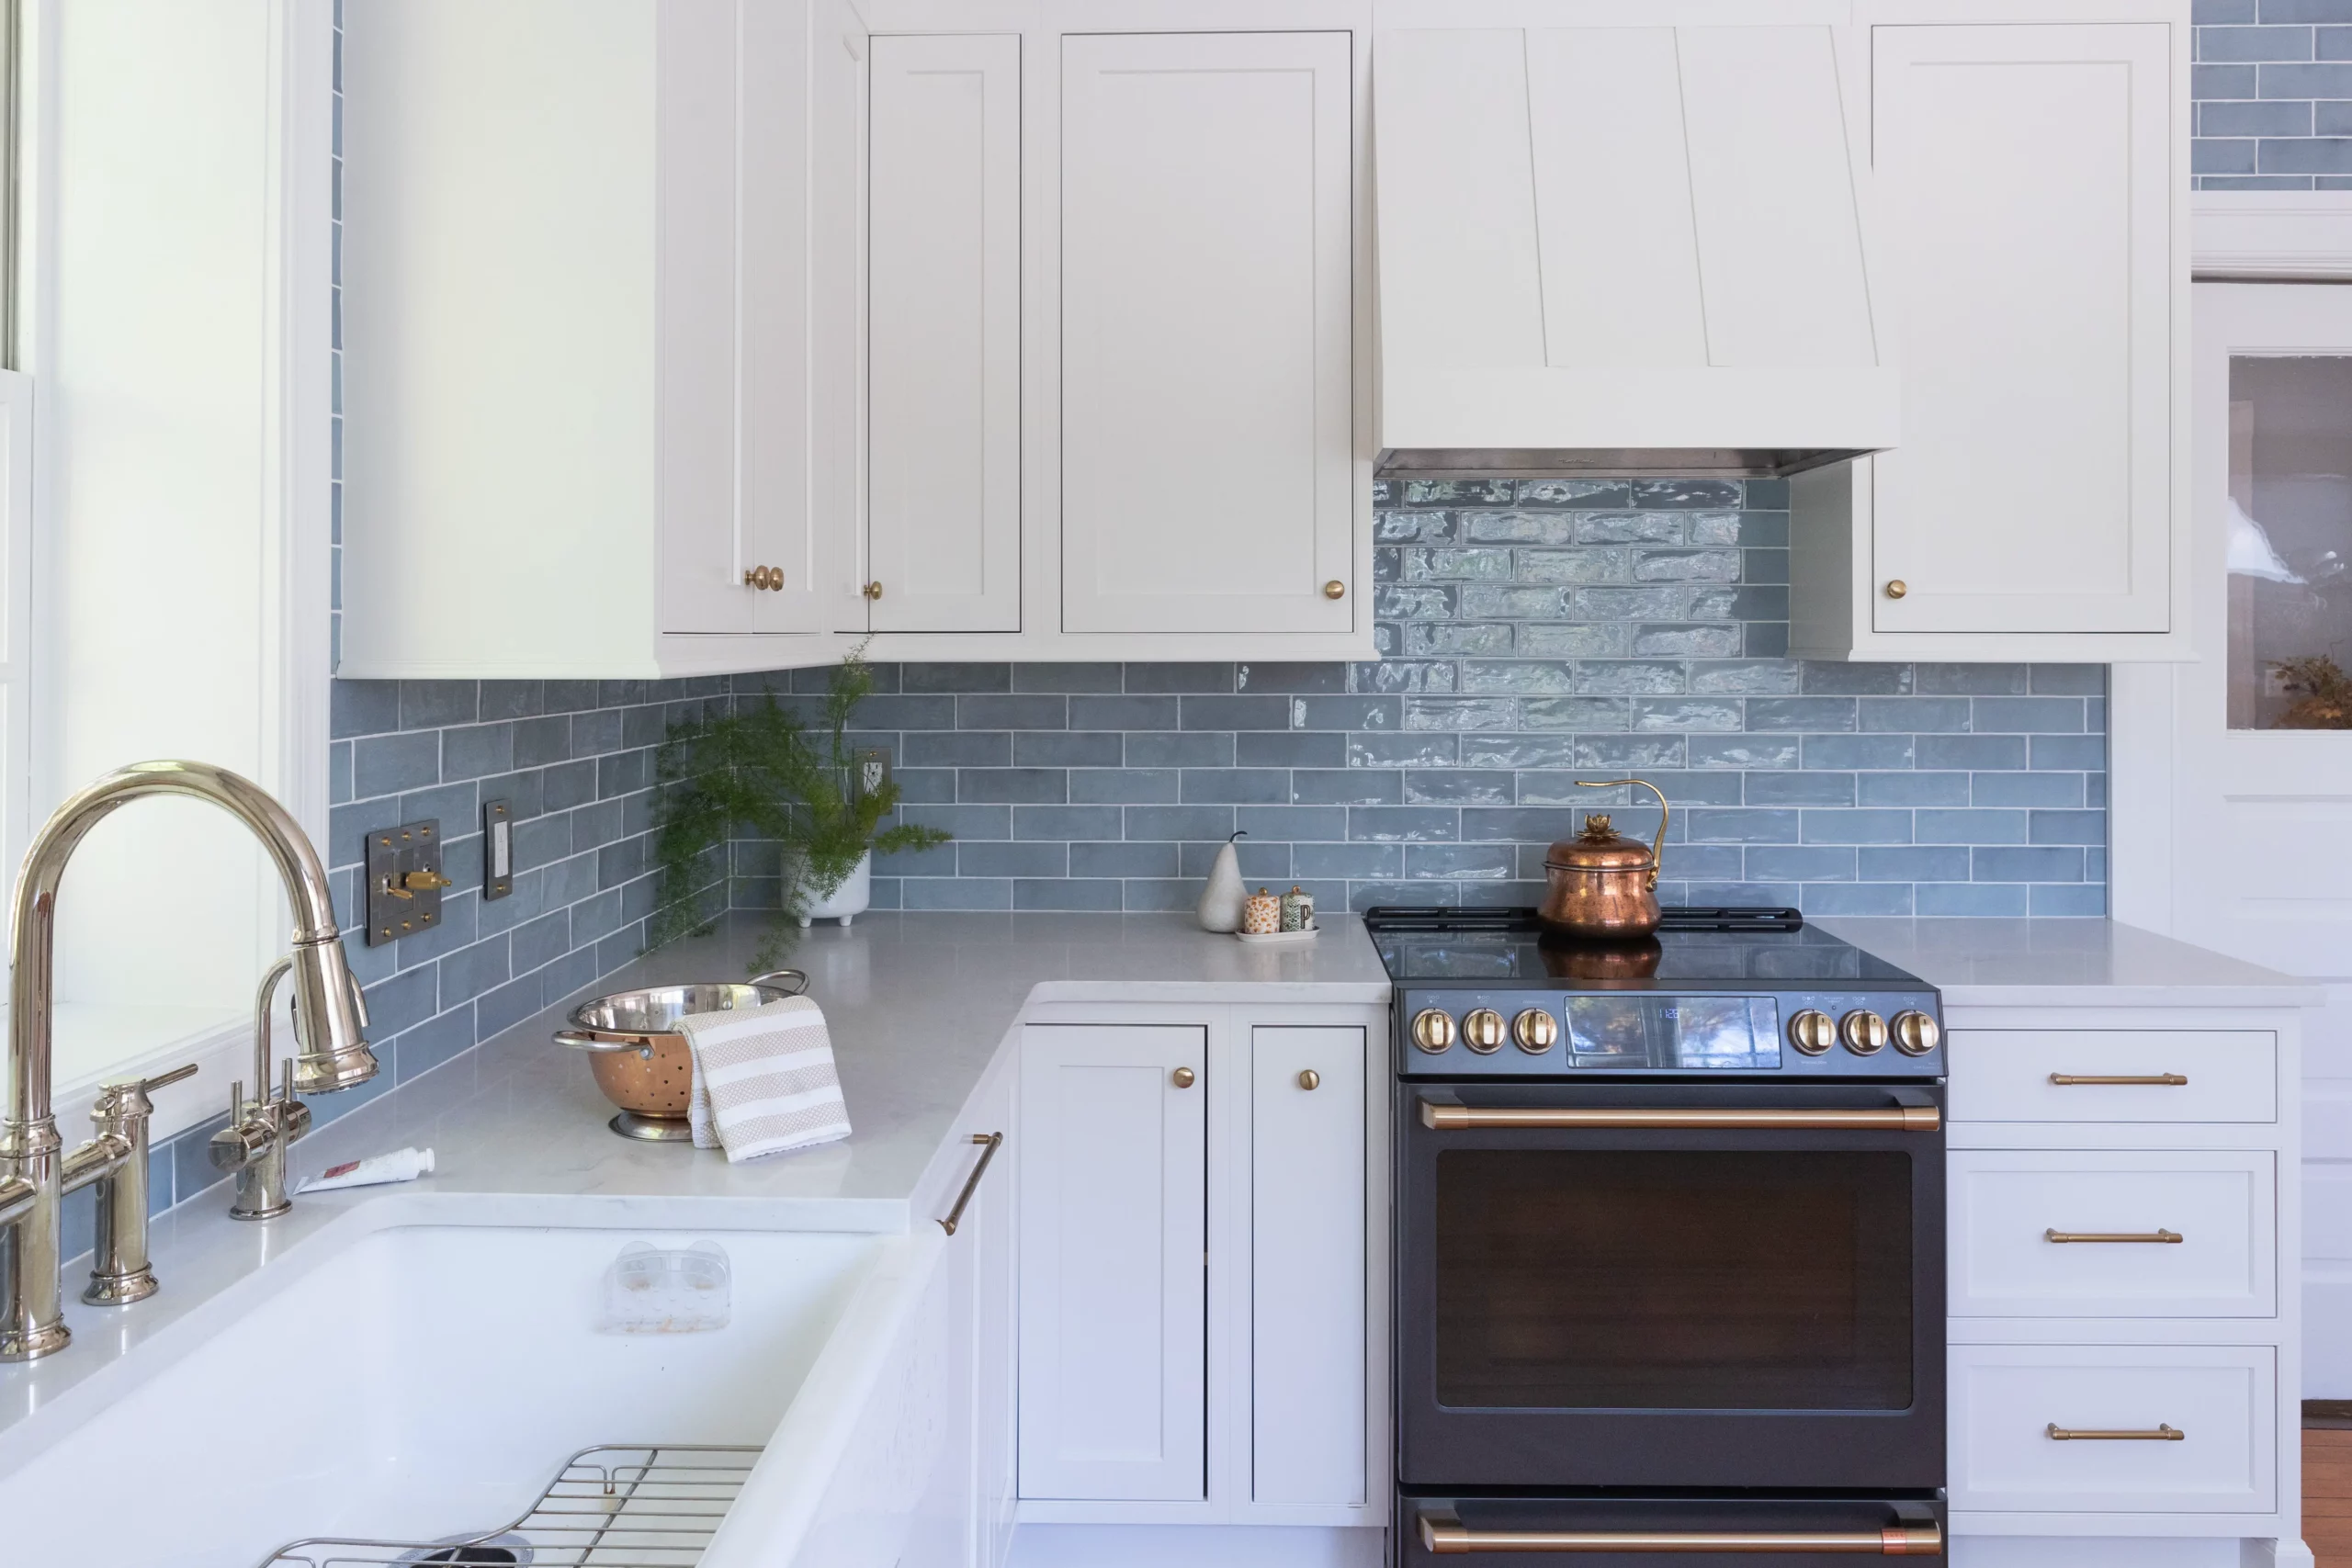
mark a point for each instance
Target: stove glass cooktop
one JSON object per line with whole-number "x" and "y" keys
{"x": 1490, "y": 947}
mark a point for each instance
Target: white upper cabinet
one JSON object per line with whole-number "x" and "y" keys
{"x": 944, "y": 335}
{"x": 2027, "y": 181}
{"x": 590, "y": 347}
{"x": 1207, "y": 368}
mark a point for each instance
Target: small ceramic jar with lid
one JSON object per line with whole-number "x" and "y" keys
{"x": 1262, "y": 915}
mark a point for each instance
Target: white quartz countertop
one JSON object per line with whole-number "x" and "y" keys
{"x": 1994, "y": 963}
{"x": 917, "y": 1006}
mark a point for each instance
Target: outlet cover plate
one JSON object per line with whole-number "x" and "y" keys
{"x": 404, "y": 880}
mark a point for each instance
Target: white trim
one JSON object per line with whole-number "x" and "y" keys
{"x": 303, "y": 331}
{"x": 2271, "y": 235}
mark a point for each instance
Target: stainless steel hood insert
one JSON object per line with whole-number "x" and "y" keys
{"x": 1624, "y": 250}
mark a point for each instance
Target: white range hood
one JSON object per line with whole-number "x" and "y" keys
{"x": 1626, "y": 249}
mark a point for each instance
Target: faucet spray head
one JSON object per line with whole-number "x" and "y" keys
{"x": 330, "y": 1020}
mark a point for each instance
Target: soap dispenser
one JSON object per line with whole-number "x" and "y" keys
{"x": 1220, "y": 907}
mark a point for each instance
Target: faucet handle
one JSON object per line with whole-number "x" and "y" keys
{"x": 122, "y": 1099}
{"x": 164, "y": 1081}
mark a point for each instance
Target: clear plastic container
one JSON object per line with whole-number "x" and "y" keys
{"x": 650, "y": 1289}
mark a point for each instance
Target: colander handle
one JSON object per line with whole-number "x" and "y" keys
{"x": 777, "y": 979}
{"x": 578, "y": 1042}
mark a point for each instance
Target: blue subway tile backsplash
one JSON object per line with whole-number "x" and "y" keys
{"x": 2272, "y": 95}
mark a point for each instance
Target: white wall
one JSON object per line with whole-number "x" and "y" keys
{"x": 179, "y": 342}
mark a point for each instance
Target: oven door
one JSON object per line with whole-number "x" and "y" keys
{"x": 1670, "y": 1285}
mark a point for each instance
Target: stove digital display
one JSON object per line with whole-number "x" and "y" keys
{"x": 1722, "y": 1034}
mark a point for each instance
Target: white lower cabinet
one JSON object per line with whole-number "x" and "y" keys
{"x": 2151, "y": 1234}
{"x": 1306, "y": 1264}
{"x": 2010, "y": 1403}
{"x": 1200, "y": 1343}
{"x": 2124, "y": 1336}
{"x": 1114, "y": 1216}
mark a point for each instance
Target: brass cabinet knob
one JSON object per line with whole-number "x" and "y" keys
{"x": 1915, "y": 1033}
{"x": 1310, "y": 1078}
{"x": 1482, "y": 1031}
{"x": 1535, "y": 1031}
{"x": 1812, "y": 1032}
{"x": 1896, "y": 588}
{"x": 1184, "y": 1076}
{"x": 1865, "y": 1031}
{"x": 1432, "y": 1029}
{"x": 1335, "y": 588}
{"x": 871, "y": 591}
{"x": 764, "y": 577}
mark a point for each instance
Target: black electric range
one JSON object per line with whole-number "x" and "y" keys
{"x": 1716, "y": 990}
{"x": 1669, "y": 1240}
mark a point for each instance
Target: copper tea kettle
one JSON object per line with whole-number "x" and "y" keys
{"x": 1600, "y": 883}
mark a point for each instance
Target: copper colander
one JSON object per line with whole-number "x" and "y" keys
{"x": 640, "y": 1059}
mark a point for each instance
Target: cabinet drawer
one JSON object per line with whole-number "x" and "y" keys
{"x": 2017, "y": 1075}
{"x": 2220, "y": 1398}
{"x": 2006, "y": 1207}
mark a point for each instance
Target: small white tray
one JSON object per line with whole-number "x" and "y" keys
{"x": 1280, "y": 938}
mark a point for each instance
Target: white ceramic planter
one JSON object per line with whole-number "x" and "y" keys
{"x": 854, "y": 897}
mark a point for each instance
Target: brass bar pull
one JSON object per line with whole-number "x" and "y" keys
{"x": 1470, "y": 1117}
{"x": 2154, "y": 1236}
{"x": 2093, "y": 1435}
{"x": 2132, "y": 1080}
{"x": 994, "y": 1141}
{"x": 1444, "y": 1535}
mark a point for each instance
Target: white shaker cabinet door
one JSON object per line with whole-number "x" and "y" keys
{"x": 1206, "y": 321}
{"x": 943, "y": 350}
{"x": 1113, "y": 1225}
{"x": 2026, "y": 179}
{"x": 1306, "y": 1317}
{"x": 738, "y": 282}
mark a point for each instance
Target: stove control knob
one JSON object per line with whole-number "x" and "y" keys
{"x": 1916, "y": 1033}
{"x": 1432, "y": 1029}
{"x": 1812, "y": 1032}
{"x": 1482, "y": 1031}
{"x": 1865, "y": 1031}
{"x": 1535, "y": 1031}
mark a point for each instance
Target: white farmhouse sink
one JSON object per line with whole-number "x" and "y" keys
{"x": 423, "y": 1380}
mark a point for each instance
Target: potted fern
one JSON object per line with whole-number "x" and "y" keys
{"x": 760, "y": 772}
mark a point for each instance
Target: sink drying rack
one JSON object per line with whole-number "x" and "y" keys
{"x": 614, "y": 1505}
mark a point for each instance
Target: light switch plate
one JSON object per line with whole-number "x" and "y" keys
{"x": 404, "y": 880}
{"x": 497, "y": 849}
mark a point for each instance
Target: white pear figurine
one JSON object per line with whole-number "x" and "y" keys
{"x": 1220, "y": 908}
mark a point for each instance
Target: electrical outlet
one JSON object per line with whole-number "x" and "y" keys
{"x": 873, "y": 772}
{"x": 404, "y": 880}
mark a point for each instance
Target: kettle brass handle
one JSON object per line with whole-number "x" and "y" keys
{"x": 1657, "y": 848}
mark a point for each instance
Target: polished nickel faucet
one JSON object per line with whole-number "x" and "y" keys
{"x": 260, "y": 1132}
{"x": 330, "y": 1022}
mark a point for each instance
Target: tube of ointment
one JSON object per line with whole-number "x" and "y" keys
{"x": 401, "y": 1165}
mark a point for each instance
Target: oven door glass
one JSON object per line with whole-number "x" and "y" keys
{"x": 1673, "y": 1279}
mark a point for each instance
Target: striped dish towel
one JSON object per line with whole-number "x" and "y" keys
{"x": 763, "y": 1080}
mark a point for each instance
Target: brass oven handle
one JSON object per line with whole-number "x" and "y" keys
{"x": 1444, "y": 1535}
{"x": 2162, "y": 1434}
{"x": 2148, "y": 1081}
{"x": 1657, "y": 848}
{"x": 994, "y": 1141}
{"x": 1472, "y": 1118}
{"x": 2154, "y": 1236}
